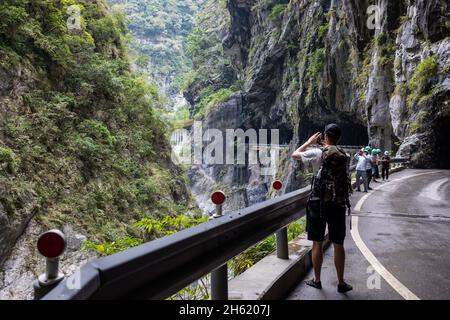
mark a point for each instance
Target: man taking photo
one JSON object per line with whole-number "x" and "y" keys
{"x": 328, "y": 201}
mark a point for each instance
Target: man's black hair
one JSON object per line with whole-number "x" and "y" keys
{"x": 334, "y": 132}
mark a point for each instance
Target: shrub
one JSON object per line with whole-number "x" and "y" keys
{"x": 168, "y": 225}
{"x": 323, "y": 30}
{"x": 98, "y": 131}
{"x": 424, "y": 71}
{"x": 277, "y": 11}
{"x": 8, "y": 163}
{"x": 197, "y": 43}
{"x": 418, "y": 123}
{"x": 106, "y": 249}
{"x": 381, "y": 39}
{"x": 401, "y": 89}
{"x": 316, "y": 62}
{"x": 154, "y": 228}
{"x": 211, "y": 100}
{"x": 419, "y": 84}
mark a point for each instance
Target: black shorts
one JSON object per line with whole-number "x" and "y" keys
{"x": 335, "y": 217}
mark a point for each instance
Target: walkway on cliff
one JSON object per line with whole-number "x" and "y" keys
{"x": 401, "y": 229}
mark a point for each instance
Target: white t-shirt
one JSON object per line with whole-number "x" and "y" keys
{"x": 369, "y": 163}
{"x": 362, "y": 162}
{"x": 313, "y": 157}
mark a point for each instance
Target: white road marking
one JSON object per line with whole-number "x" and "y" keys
{"x": 382, "y": 271}
{"x": 434, "y": 190}
{"x": 389, "y": 277}
{"x": 363, "y": 199}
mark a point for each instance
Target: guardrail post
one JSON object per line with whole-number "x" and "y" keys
{"x": 219, "y": 283}
{"x": 281, "y": 235}
{"x": 219, "y": 277}
{"x": 51, "y": 245}
{"x": 282, "y": 244}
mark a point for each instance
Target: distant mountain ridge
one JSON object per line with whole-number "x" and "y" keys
{"x": 159, "y": 29}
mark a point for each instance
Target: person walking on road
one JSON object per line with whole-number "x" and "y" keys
{"x": 328, "y": 200}
{"x": 375, "y": 163}
{"x": 361, "y": 173}
{"x": 369, "y": 165}
{"x": 385, "y": 166}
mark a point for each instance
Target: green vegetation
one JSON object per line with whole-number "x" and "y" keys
{"x": 81, "y": 144}
{"x": 275, "y": 35}
{"x": 211, "y": 99}
{"x": 179, "y": 118}
{"x": 424, "y": 71}
{"x": 316, "y": 61}
{"x": 386, "y": 49}
{"x": 252, "y": 255}
{"x": 381, "y": 39}
{"x": 212, "y": 80}
{"x": 153, "y": 229}
{"x": 419, "y": 87}
{"x": 159, "y": 18}
{"x": 277, "y": 11}
{"x": 323, "y": 30}
{"x": 362, "y": 74}
{"x": 160, "y": 29}
{"x": 8, "y": 162}
{"x": 445, "y": 69}
{"x": 404, "y": 19}
{"x": 198, "y": 42}
{"x": 106, "y": 249}
{"x": 401, "y": 89}
{"x": 156, "y": 228}
{"x": 262, "y": 5}
{"x": 418, "y": 123}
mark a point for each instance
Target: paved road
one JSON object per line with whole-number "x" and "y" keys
{"x": 404, "y": 231}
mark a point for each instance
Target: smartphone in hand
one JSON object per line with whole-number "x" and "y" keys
{"x": 320, "y": 140}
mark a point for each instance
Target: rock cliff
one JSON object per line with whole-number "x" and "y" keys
{"x": 380, "y": 69}
{"x": 81, "y": 148}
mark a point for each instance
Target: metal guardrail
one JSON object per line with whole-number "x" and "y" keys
{"x": 160, "y": 268}
{"x": 394, "y": 163}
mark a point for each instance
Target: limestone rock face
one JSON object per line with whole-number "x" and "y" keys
{"x": 60, "y": 129}
{"x": 421, "y": 121}
{"x": 303, "y": 64}
{"x": 24, "y": 264}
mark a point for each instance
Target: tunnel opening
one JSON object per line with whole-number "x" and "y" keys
{"x": 353, "y": 134}
{"x": 441, "y": 129}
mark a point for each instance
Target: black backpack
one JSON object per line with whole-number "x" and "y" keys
{"x": 331, "y": 184}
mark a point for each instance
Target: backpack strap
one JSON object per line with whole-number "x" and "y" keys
{"x": 347, "y": 200}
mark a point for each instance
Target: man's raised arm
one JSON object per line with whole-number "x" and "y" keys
{"x": 297, "y": 155}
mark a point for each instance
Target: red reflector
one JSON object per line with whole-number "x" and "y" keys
{"x": 277, "y": 185}
{"x": 51, "y": 244}
{"x": 218, "y": 197}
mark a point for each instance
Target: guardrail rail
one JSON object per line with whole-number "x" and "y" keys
{"x": 162, "y": 267}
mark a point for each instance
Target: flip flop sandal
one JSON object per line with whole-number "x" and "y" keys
{"x": 314, "y": 284}
{"x": 343, "y": 288}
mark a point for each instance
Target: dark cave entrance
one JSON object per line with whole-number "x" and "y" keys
{"x": 353, "y": 134}
{"x": 441, "y": 129}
